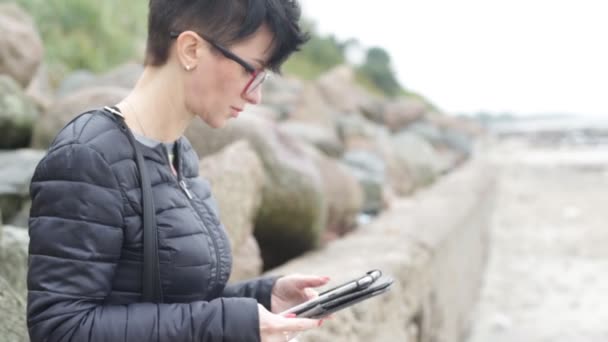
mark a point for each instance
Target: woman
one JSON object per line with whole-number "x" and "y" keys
{"x": 205, "y": 59}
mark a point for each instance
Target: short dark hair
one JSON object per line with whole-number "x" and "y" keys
{"x": 226, "y": 22}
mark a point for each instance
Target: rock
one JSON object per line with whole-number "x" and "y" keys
{"x": 428, "y": 132}
{"x": 369, "y": 170}
{"x": 459, "y": 142}
{"x": 373, "y": 110}
{"x": 358, "y": 133}
{"x": 21, "y": 49}
{"x": 343, "y": 193}
{"x": 399, "y": 114}
{"x": 75, "y": 81}
{"x": 324, "y": 138}
{"x": 13, "y": 327}
{"x": 17, "y": 115}
{"x": 40, "y": 89}
{"x": 311, "y": 107}
{"x": 16, "y": 171}
{"x": 22, "y": 217}
{"x": 267, "y": 112}
{"x": 341, "y": 91}
{"x": 418, "y": 156}
{"x": 281, "y": 93}
{"x": 68, "y": 107}
{"x": 292, "y": 215}
{"x": 123, "y": 76}
{"x": 247, "y": 260}
{"x": 236, "y": 175}
{"x": 14, "y": 243}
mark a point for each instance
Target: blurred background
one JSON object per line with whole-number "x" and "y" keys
{"x": 461, "y": 147}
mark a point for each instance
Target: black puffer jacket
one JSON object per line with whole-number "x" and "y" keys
{"x": 85, "y": 265}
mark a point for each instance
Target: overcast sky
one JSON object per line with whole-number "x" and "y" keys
{"x": 518, "y": 56}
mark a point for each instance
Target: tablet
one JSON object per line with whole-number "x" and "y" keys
{"x": 345, "y": 295}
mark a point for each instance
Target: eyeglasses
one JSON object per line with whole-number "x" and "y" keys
{"x": 258, "y": 76}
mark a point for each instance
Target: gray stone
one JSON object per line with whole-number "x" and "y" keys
{"x": 343, "y": 193}
{"x": 14, "y": 243}
{"x": 281, "y": 93}
{"x": 341, "y": 91}
{"x": 123, "y": 76}
{"x": 21, "y": 49}
{"x": 402, "y": 112}
{"x": 236, "y": 175}
{"x": 370, "y": 170}
{"x": 324, "y": 138}
{"x": 17, "y": 115}
{"x": 427, "y": 131}
{"x": 16, "y": 171}
{"x": 13, "y": 326}
{"x": 293, "y": 212}
{"x": 68, "y": 107}
{"x": 75, "y": 81}
{"x": 40, "y": 89}
{"x": 418, "y": 156}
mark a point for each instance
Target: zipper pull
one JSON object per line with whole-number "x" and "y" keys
{"x": 182, "y": 184}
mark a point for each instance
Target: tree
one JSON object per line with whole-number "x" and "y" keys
{"x": 378, "y": 69}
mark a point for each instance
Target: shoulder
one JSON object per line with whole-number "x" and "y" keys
{"x": 96, "y": 131}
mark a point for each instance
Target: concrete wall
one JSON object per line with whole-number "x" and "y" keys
{"x": 434, "y": 245}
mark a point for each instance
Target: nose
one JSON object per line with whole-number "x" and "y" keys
{"x": 254, "y": 97}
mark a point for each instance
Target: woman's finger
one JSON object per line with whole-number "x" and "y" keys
{"x": 309, "y": 281}
{"x": 297, "y": 324}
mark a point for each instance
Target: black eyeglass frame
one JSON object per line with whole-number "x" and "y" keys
{"x": 255, "y": 73}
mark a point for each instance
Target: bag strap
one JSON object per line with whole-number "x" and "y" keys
{"x": 152, "y": 291}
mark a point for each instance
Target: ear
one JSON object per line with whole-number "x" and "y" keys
{"x": 188, "y": 49}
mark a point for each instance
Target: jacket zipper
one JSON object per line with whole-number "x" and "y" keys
{"x": 182, "y": 185}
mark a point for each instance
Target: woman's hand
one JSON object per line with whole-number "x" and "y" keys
{"x": 277, "y": 328}
{"x": 292, "y": 290}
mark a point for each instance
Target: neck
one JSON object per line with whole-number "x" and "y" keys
{"x": 155, "y": 106}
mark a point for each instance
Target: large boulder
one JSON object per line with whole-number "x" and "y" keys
{"x": 402, "y": 112}
{"x": 14, "y": 243}
{"x": 68, "y": 107}
{"x": 21, "y": 49}
{"x": 322, "y": 137}
{"x": 419, "y": 157}
{"x": 292, "y": 216}
{"x": 427, "y": 131}
{"x": 17, "y": 115}
{"x": 313, "y": 120}
{"x": 236, "y": 175}
{"x": 343, "y": 193}
{"x": 361, "y": 134}
{"x": 282, "y": 93}
{"x": 40, "y": 89}
{"x": 16, "y": 171}
{"x": 123, "y": 76}
{"x": 13, "y": 326}
{"x": 369, "y": 170}
{"x": 340, "y": 90}
{"x": 311, "y": 107}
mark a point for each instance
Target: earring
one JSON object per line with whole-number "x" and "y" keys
{"x": 187, "y": 67}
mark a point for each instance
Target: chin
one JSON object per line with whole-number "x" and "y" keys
{"x": 214, "y": 122}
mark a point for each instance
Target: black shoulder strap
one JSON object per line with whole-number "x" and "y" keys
{"x": 152, "y": 291}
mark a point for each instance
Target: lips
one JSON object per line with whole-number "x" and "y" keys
{"x": 235, "y": 111}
